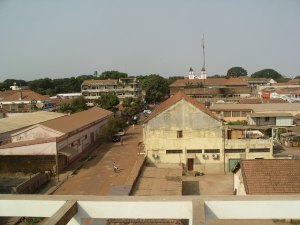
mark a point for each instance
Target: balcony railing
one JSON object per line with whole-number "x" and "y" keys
{"x": 72, "y": 210}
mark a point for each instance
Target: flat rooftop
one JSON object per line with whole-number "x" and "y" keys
{"x": 159, "y": 181}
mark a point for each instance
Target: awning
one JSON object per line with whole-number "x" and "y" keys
{"x": 190, "y": 156}
{"x": 67, "y": 151}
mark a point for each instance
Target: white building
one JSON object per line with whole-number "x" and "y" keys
{"x": 124, "y": 87}
{"x": 54, "y": 144}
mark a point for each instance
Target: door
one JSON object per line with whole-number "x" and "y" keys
{"x": 232, "y": 163}
{"x": 92, "y": 137}
{"x": 190, "y": 163}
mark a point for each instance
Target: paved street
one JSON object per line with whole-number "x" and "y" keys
{"x": 97, "y": 176}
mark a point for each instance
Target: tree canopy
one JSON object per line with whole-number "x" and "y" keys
{"x": 112, "y": 75}
{"x": 236, "y": 72}
{"x": 268, "y": 73}
{"x": 156, "y": 87}
{"x": 108, "y": 101}
{"x": 77, "y": 105}
{"x": 131, "y": 106}
{"x": 5, "y": 85}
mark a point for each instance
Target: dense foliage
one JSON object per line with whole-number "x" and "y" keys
{"x": 112, "y": 126}
{"x": 108, "y": 101}
{"x": 268, "y": 73}
{"x": 236, "y": 72}
{"x": 77, "y": 105}
{"x": 155, "y": 86}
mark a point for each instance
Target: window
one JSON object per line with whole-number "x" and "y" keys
{"x": 236, "y": 113}
{"x": 227, "y": 113}
{"x": 194, "y": 151}
{"x": 179, "y": 134}
{"x": 212, "y": 150}
{"x": 234, "y": 150}
{"x": 267, "y": 119}
{"x": 173, "y": 151}
{"x": 259, "y": 150}
{"x": 244, "y": 113}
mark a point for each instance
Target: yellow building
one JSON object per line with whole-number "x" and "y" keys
{"x": 183, "y": 132}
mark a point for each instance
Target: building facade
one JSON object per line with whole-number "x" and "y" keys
{"x": 182, "y": 131}
{"x": 123, "y": 87}
{"x": 54, "y": 144}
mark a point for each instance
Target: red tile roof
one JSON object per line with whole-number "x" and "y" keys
{"x": 294, "y": 81}
{"x": 76, "y": 121}
{"x": 27, "y": 95}
{"x": 271, "y": 176}
{"x": 176, "y": 98}
{"x": 234, "y": 81}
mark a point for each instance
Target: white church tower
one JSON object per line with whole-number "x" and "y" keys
{"x": 192, "y": 75}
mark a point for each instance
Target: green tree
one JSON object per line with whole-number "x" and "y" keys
{"x": 268, "y": 73}
{"x": 174, "y": 78}
{"x": 78, "y": 104}
{"x": 131, "y": 106}
{"x": 236, "y": 72}
{"x": 112, "y": 75}
{"x": 108, "y": 101}
{"x": 5, "y": 85}
{"x": 156, "y": 88}
{"x": 218, "y": 76}
{"x": 64, "y": 108}
{"x": 112, "y": 126}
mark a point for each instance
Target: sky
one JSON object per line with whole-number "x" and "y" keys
{"x": 65, "y": 38}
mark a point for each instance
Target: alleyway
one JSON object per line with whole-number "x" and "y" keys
{"x": 97, "y": 176}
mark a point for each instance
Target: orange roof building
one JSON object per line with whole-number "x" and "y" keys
{"x": 267, "y": 177}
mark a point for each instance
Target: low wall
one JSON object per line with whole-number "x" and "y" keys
{"x": 33, "y": 184}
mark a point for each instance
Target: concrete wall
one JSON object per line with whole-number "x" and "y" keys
{"x": 238, "y": 183}
{"x": 199, "y": 131}
{"x": 33, "y": 133}
{"x": 27, "y": 163}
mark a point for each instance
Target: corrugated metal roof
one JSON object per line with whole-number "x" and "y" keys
{"x": 22, "y": 120}
{"x": 77, "y": 120}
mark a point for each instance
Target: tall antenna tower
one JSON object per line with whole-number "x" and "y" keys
{"x": 203, "y": 47}
{"x": 203, "y": 72}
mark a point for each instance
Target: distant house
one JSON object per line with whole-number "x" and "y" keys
{"x": 267, "y": 177}
{"x": 24, "y": 101}
{"x": 254, "y": 82}
{"x": 54, "y": 144}
{"x": 182, "y": 131}
{"x": 270, "y": 119}
{"x": 291, "y": 138}
{"x": 212, "y": 89}
{"x": 235, "y": 112}
{"x": 123, "y": 87}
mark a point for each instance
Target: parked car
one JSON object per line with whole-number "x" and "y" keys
{"x": 116, "y": 138}
{"x": 147, "y": 111}
{"x": 121, "y": 132}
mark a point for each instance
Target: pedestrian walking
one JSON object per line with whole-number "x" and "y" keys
{"x": 115, "y": 167}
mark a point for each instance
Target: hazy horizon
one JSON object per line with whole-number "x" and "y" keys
{"x": 68, "y": 38}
